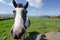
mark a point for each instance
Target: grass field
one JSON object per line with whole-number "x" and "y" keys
{"x": 40, "y": 25}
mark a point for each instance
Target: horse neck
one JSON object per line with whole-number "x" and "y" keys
{"x": 18, "y": 20}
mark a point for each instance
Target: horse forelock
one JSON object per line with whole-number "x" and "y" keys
{"x": 19, "y": 5}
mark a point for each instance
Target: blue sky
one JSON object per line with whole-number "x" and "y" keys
{"x": 36, "y": 7}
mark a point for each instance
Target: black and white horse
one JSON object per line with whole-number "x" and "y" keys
{"x": 21, "y": 21}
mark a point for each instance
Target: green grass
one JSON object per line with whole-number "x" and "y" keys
{"x": 40, "y": 25}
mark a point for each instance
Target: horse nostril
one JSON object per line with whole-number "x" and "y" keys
{"x": 23, "y": 31}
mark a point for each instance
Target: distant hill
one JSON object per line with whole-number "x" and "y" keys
{"x": 5, "y": 16}
{"x": 44, "y": 16}
{"x": 12, "y": 15}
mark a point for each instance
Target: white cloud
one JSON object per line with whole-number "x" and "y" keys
{"x": 9, "y": 4}
{"x": 35, "y": 3}
{"x": 33, "y": 10}
{"x": 2, "y": 1}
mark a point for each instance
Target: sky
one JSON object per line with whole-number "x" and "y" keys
{"x": 35, "y": 8}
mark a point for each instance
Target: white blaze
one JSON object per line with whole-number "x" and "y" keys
{"x": 18, "y": 19}
{"x": 18, "y": 24}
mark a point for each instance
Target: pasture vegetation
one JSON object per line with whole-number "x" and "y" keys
{"x": 40, "y": 25}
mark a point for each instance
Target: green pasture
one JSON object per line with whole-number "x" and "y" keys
{"x": 40, "y": 25}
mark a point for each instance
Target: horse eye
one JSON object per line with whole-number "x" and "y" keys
{"x": 14, "y": 11}
{"x": 24, "y": 11}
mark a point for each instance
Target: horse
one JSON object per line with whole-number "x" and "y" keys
{"x": 21, "y": 20}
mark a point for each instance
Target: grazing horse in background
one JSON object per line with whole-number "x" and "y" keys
{"x": 21, "y": 21}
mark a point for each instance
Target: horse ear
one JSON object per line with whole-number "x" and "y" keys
{"x": 14, "y": 3}
{"x": 26, "y": 5}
